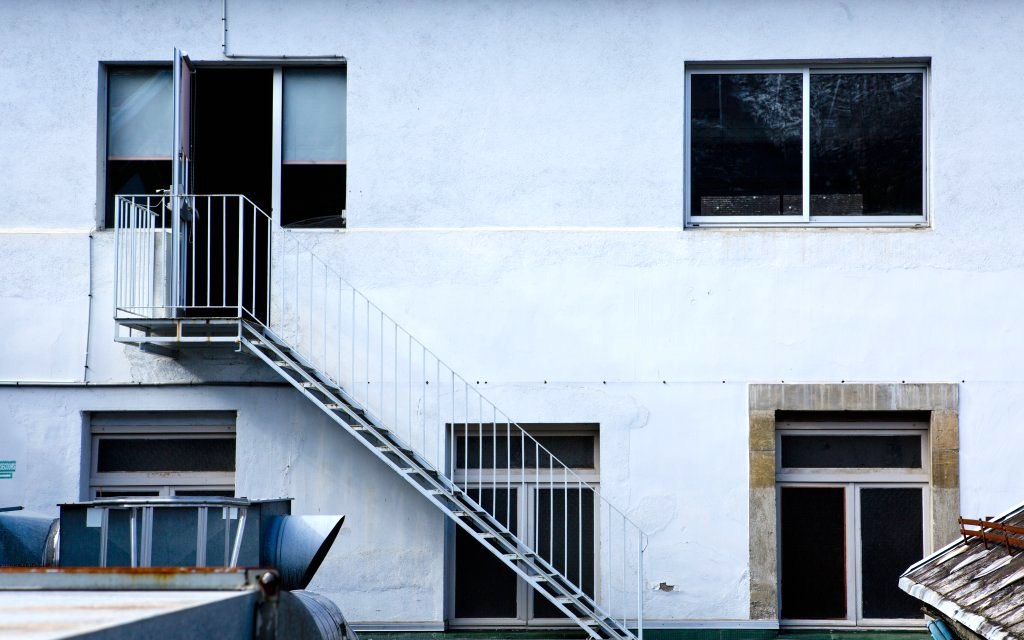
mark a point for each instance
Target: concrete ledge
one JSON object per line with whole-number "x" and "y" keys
{"x": 854, "y": 397}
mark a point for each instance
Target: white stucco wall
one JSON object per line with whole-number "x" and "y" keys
{"x": 515, "y": 200}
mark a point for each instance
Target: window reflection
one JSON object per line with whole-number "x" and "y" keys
{"x": 746, "y": 144}
{"x": 866, "y": 142}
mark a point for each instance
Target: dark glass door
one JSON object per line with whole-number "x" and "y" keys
{"x": 812, "y": 523}
{"x": 484, "y": 586}
{"x": 891, "y": 539}
{"x": 565, "y": 538}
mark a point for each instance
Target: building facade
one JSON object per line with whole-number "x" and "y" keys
{"x": 750, "y": 270}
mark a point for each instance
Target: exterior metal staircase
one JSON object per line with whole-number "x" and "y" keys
{"x": 354, "y": 363}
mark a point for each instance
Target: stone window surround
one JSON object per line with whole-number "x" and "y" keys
{"x": 940, "y": 400}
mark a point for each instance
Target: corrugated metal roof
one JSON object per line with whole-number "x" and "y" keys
{"x": 981, "y": 588}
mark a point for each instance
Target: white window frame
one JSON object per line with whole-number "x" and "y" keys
{"x": 276, "y": 66}
{"x": 166, "y": 483}
{"x": 524, "y": 486}
{"x": 854, "y": 555}
{"x": 805, "y": 219}
{"x": 852, "y": 480}
{"x": 853, "y": 474}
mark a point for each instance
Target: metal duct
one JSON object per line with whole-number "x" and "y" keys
{"x": 313, "y": 616}
{"x": 297, "y": 545}
{"x": 27, "y": 540}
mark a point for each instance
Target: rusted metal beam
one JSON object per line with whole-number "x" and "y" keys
{"x": 995, "y": 532}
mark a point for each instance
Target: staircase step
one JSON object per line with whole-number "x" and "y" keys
{"x": 392, "y": 448}
{"x": 521, "y": 556}
{"x": 507, "y": 535}
{"x": 462, "y": 513}
{"x": 268, "y": 344}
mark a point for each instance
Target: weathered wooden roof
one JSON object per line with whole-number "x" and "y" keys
{"x": 978, "y": 587}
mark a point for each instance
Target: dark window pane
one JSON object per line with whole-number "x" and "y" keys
{"x": 170, "y": 454}
{"x": 565, "y": 538}
{"x": 222, "y": 493}
{"x": 846, "y": 452}
{"x": 576, "y": 452}
{"x": 745, "y": 144}
{"x": 891, "y": 540}
{"x": 866, "y": 143}
{"x": 313, "y": 195}
{"x": 127, "y": 493}
{"x": 813, "y": 535}
{"x": 135, "y": 177}
{"x": 484, "y": 586}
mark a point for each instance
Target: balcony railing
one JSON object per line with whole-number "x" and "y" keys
{"x": 214, "y": 263}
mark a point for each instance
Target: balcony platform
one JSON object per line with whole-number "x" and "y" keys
{"x": 179, "y": 332}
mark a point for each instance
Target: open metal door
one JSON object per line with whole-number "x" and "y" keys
{"x": 181, "y": 177}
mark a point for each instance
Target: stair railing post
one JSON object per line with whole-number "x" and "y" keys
{"x": 118, "y": 209}
{"x": 241, "y": 256}
{"x": 253, "y": 300}
{"x": 270, "y": 265}
{"x": 640, "y": 585}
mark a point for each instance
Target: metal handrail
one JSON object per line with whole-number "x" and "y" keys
{"x": 385, "y": 371}
{"x": 389, "y": 375}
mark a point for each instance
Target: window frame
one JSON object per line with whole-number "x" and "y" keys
{"x": 805, "y": 219}
{"x": 525, "y": 486}
{"x": 854, "y": 554}
{"x": 166, "y": 483}
{"x": 854, "y": 474}
{"x": 277, "y": 66}
{"x": 852, "y": 480}
{"x": 106, "y": 67}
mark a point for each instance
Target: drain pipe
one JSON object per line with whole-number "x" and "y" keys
{"x": 224, "y": 45}
{"x": 88, "y": 319}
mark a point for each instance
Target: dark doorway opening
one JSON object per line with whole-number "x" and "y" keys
{"x": 232, "y": 147}
{"x": 232, "y": 115}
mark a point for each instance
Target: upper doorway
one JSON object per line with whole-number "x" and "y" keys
{"x": 232, "y": 147}
{"x": 236, "y": 147}
{"x": 233, "y": 119}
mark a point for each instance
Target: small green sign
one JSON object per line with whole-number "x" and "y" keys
{"x": 6, "y": 469}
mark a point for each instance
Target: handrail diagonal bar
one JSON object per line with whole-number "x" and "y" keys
{"x": 433, "y": 418}
{"x": 371, "y": 355}
{"x": 461, "y": 379}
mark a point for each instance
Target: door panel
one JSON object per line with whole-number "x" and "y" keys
{"x": 891, "y": 540}
{"x": 484, "y": 586}
{"x": 181, "y": 166}
{"x": 812, "y": 528}
{"x": 565, "y": 538}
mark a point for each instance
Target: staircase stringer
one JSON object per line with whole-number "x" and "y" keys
{"x": 453, "y": 501}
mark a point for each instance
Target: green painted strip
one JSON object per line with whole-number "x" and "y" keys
{"x": 710, "y": 634}
{"x": 655, "y": 634}
{"x": 849, "y": 634}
